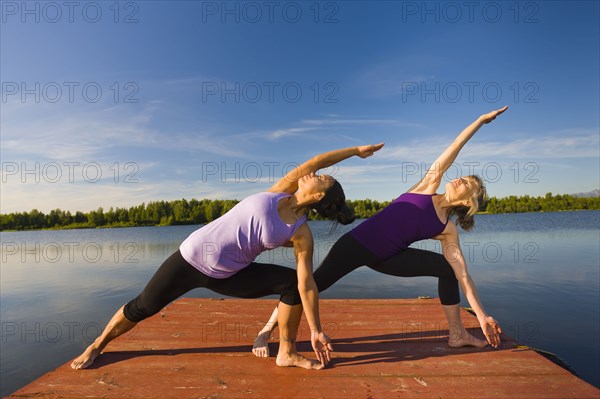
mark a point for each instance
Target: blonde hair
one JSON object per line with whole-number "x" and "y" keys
{"x": 465, "y": 214}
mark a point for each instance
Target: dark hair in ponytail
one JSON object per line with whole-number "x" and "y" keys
{"x": 333, "y": 205}
{"x": 465, "y": 214}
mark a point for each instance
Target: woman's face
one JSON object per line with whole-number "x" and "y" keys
{"x": 462, "y": 188}
{"x": 315, "y": 184}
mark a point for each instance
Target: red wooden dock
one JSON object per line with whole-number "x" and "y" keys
{"x": 201, "y": 348}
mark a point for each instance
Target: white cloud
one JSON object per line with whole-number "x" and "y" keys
{"x": 332, "y": 125}
{"x": 86, "y": 196}
{"x": 361, "y": 121}
{"x": 95, "y": 134}
{"x": 564, "y": 144}
{"x": 280, "y": 133}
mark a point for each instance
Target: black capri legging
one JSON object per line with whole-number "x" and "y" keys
{"x": 347, "y": 254}
{"x": 176, "y": 276}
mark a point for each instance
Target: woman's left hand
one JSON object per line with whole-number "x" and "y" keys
{"x": 490, "y": 116}
{"x": 365, "y": 151}
{"x": 322, "y": 346}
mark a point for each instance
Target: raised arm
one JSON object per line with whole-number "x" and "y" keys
{"x": 454, "y": 256}
{"x": 433, "y": 177}
{"x": 309, "y": 293}
{"x": 289, "y": 183}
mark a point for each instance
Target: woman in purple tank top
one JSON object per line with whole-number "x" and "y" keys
{"x": 381, "y": 243}
{"x": 220, "y": 256}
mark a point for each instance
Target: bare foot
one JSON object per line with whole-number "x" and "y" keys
{"x": 297, "y": 360}
{"x": 261, "y": 344}
{"x": 466, "y": 339}
{"x": 86, "y": 358}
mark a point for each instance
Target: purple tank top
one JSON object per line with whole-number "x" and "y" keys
{"x": 230, "y": 243}
{"x": 409, "y": 218}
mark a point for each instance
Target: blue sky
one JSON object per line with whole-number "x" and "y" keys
{"x": 114, "y": 104}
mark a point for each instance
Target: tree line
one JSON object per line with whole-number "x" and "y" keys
{"x": 181, "y": 212}
{"x": 547, "y": 203}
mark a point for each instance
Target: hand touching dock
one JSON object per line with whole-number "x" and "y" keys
{"x": 322, "y": 346}
{"x": 491, "y": 330}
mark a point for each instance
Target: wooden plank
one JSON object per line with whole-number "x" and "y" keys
{"x": 201, "y": 348}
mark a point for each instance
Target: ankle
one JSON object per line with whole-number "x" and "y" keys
{"x": 456, "y": 334}
{"x": 283, "y": 352}
{"x": 97, "y": 344}
{"x": 286, "y": 348}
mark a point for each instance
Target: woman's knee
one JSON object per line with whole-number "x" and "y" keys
{"x": 448, "y": 290}
{"x": 291, "y": 298}
{"x": 137, "y": 310}
{"x": 290, "y": 294}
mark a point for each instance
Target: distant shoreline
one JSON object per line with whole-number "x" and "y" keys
{"x": 198, "y": 212}
{"x": 117, "y": 226}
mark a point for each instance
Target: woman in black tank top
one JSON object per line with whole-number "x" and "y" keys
{"x": 462, "y": 199}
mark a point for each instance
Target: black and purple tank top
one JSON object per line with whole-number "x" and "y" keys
{"x": 409, "y": 218}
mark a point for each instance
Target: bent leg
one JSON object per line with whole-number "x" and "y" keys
{"x": 459, "y": 336}
{"x": 345, "y": 256}
{"x": 288, "y": 356}
{"x": 258, "y": 280}
{"x": 261, "y": 279}
{"x": 417, "y": 262}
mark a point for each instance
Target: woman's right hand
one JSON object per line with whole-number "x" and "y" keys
{"x": 365, "y": 151}
{"x": 322, "y": 346}
{"x": 491, "y": 330}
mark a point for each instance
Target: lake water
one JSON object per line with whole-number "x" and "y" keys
{"x": 537, "y": 274}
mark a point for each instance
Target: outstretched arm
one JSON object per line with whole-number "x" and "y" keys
{"x": 432, "y": 179}
{"x": 289, "y": 183}
{"x": 454, "y": 256}
{"x": 309, "y": 292}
